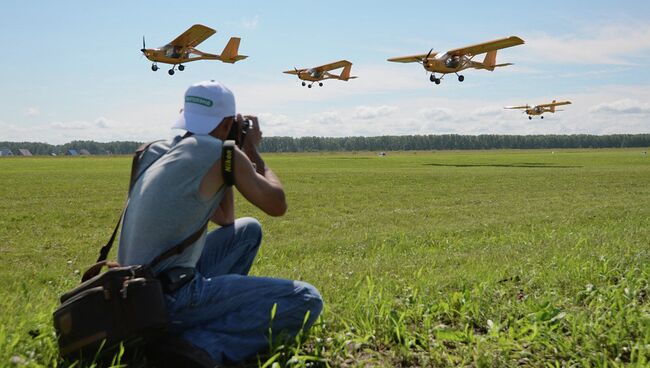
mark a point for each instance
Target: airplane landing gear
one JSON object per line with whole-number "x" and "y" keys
{"x": 170, "y": 72}
{"x": 461, "y": 78}
{"x": 304, "y": 84}
{"x": 181, "y": 67}
{"x": 309, "y": 86}
{"x": 320, "y": 84}
{"x": 530, "y": 118}
{"x": 434, "y": 79}
{"x": 541, "y": 117}
{"x": 154, "y": 67}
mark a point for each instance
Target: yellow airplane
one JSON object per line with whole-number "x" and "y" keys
{"x": 320, "y": 73}
{"x": 182, "y": 49}
{"x": 456, "y": 60}
{"x": 540, "y": 109}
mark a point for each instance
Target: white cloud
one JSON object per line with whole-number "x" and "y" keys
{"x": 620, "y": 107}
{"x": 101, "y": 123}
{"x": 329, "y": 117}
{"x": 598, "y": 44}
{"x": 32, "y": 111}
{"x": 371, "y": 112}
{"x": 436, "y": 113}
{"x": 250, "y": 23}
{"x": 268, "y": 119}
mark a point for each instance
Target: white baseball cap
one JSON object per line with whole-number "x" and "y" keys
{"x": 206, "y": 105}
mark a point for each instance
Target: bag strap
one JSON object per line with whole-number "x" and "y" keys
{"x": 227, "y": 162}
{"x": 178, "y": 248}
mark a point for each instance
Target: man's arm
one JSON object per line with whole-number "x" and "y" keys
{"x": 254, "y": 180}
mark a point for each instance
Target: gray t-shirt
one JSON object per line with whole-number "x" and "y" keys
{"x": 165, "y": 205}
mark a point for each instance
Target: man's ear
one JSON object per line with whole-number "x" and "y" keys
{"x": 222, "y": 130}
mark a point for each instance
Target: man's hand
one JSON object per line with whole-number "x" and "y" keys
{"x": 252, "y": 142}
{"x": 253, "y": 135}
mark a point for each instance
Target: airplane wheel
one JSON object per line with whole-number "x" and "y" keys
{"x": 320, "y": 84}
{"x": 303, "y": 84}
{"x": 154, "y": 67}
{"x": 171, "y": 72}
{"x": 309, "y": 86}
{"x": 181, "y": 67}
{"x": 432, "y": 78}
{"x": 437, "y": 81}
{"x": 461, "y": 78}
{"x": 530, "y": 118}
{"x": 542, "y": 117}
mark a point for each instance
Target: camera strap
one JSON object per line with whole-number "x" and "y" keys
{"x": 227, "y": 162}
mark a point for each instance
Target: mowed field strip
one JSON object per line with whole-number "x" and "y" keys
{"x": 470, "y": 258}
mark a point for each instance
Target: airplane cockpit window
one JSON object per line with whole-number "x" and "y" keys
{"x": 453, "y": 62}
{"x": 173, "y": 52}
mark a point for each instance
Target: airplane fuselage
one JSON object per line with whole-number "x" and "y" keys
{"x": 538, "y": 110}
{"x": 312, "y": 75}
{"x": 445, "y": 64}
{"x": 169, "y": 55}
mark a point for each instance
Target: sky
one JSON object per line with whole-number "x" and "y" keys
{"x": 73, "y": 70}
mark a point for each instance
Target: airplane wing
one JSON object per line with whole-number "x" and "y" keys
{"x": 332, "y": 66}
{"x": 487, "y": 46}
{"x": 560, "y": 103}
{"x": 295, "y": 71}
{"x": 193, "y": 36}
{"x": 411, "y": 58}
{"x": 517, "y": 107}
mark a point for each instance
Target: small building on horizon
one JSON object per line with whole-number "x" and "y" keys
{"x": 24, "y": 152}
{"x": 4, "y": 151}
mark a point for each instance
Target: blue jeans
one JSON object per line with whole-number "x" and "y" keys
{"x": 227, "y": 313}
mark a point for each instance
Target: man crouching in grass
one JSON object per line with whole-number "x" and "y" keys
{"x": 213, "y": 304}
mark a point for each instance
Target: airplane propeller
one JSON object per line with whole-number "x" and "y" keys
{"x": 144, "y": 47}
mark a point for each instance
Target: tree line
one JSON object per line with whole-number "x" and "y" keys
{"x": 379, "y": 143}
{"x": 95, "y": 148}
{"x": 452, "y": 142}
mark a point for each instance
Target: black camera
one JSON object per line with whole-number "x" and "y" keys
{"x": 238, "y": 131}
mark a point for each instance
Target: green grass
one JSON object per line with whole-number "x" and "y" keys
{"x": 490, "y": 258}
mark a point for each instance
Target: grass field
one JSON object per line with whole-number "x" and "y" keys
{"x": 491, "y": 258}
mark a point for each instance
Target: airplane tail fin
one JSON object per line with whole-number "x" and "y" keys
{"x": 345, "y": 74}
{"x": 490, "y": 59}
{"x": 553, "y": 107}
{"x": 230, "y": 52}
